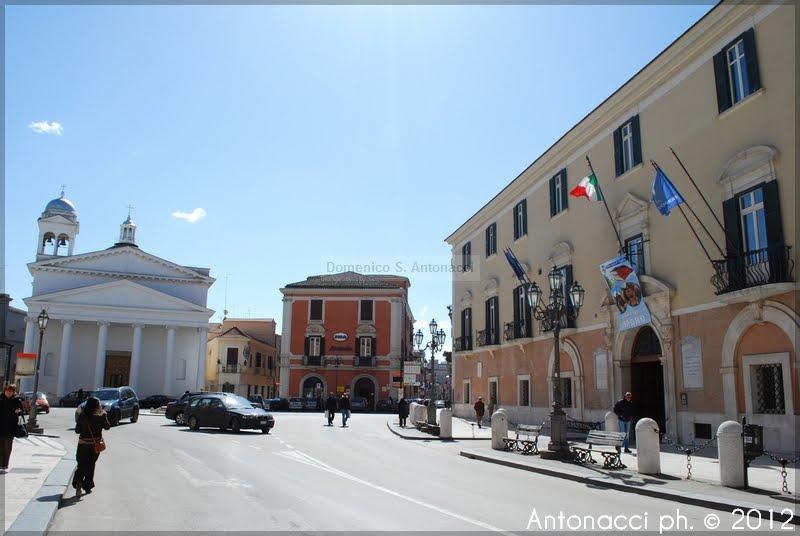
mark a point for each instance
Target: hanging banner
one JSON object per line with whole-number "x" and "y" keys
{"x": 626, "y": 293}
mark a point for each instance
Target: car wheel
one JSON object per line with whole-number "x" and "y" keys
{"x": 114, "y": 418}
{"x": 236, "y": 426}
{"x": 193, "y": 424}
{"x": 180, "y": 419}
{"x": 135, "y": 415}
{"x": 265, "y": 430}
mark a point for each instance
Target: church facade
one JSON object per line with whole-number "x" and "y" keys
{"x": 118, "y": 316}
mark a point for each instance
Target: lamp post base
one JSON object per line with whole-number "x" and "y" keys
{"x": 34, "y": 428}
{"x": 432, "y": 413}
{"x": 558, "y": 447}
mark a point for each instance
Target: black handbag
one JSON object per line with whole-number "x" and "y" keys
{"x": 22, "y": 430}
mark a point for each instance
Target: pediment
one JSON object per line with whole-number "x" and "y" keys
{"x": 630, "y": 206}
{"x": 129, "y": 261}
{"x": 366, "y": 329}
{"x": 57, "y": 218}
{"x": 122, "y": 294}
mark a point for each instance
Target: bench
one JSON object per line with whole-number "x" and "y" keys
{"x": 422, "y": 426}
{"x": 525, "y": 446}
{"x": 611, "y": 459}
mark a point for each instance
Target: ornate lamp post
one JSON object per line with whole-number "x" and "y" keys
{"x": 435, "y": 344}
{"x": 32, "y": 425}
{"x": 553, "y": 317}
{"x": 337, "y": 361}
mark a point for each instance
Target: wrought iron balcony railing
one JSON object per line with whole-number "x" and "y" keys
{"x": 240, "y": 369}
{"x": 312, "y": 360}
{"x": 364, "y": 361}
{"x": 487, "y": 337}
{"x": 518, "y": 329}
{"x": 461, "y": 344}
{"x": 772, "y": 264}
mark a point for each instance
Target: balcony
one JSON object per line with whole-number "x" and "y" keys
{"x": 488, "y": 337}
{"x": 312, "y": 360}
{"x": 765, "y": 266}
{"x": 518, "y": 329}
{"x": 461, "y": 344}
{"x": 241, "y": 369}
{"x": 364, "y": 362}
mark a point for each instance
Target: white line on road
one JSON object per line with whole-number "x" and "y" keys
{"x": 304, "y": 458}
{"x": 255, "y": 447}
{"x": 235, "y": 442}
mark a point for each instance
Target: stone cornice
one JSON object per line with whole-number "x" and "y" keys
{"x": 116, "y": 275}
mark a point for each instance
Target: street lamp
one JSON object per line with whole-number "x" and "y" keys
{"x": 337, "y": 361}
{"x": 436, "y": 343}
{"x": 42, "y": 320}
{"x": 552, "y": 315}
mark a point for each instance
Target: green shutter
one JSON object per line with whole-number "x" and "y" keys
{"x": 524, "y": 209}
{"x": 516, "y": 210}
{"x": 637, "y": 140}
{"x": 552, "y": 197}
{"x": 722, "y": 82}
{"x": 751, "y": 57}
{"x": 564, "y": 194}
{"x": 619, "y": 166}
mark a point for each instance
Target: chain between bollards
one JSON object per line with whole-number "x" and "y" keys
{"x": 689, "y": 450}
{"x": 784, "y": 462}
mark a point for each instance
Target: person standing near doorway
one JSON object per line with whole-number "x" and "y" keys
{"x": 330, "y": 408}
{"x": 624, "y": 411}
{"x": 10, "y": 412}
{"x": 480, "y": 407}
{"x": 344, "y": 406}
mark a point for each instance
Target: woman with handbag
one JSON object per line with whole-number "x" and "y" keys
{"x": 10, "y": 413}
{"x": 91, "y": 423}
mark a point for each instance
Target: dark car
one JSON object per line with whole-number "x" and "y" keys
{"x": 155, "y": 401}
{"x": 73, "y": 399}
{"x": 386, "y": 405}
{"x": 358, "y": 403}
{"x": 277, "y": 404}
{"x": 259, "y": 401}
{"x": 42, "y": 405}
{"x": 175, "y": 410}
{"x": 227, "y": 411}
{"x": 118, "y": 402}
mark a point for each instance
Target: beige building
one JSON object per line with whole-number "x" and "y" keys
{"x": 722, "y": 340}
{"x": 243, "y": 357}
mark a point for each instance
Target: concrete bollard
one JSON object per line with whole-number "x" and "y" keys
{"x": 611, "y": 422}
{"x": 731, "y": 454}
{"x": 648, "y": 447}
{"x": 413, "y": 411}
{"x": 446, "y": 423}
{"x": 499, "y": 429}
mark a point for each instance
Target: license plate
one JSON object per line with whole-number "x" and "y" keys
{"x": 263, "y": 421}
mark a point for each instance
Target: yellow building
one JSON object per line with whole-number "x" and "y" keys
{"x": 722, "y": 340}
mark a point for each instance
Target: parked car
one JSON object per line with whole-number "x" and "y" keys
{"x": 296, "y": 403}
{"x": 42, "y": 405}
{"x": 118, "y": 402}
{"x": 227, "y": 411}
{"x": 440, "y": 404}
{"x": 176, "y": 410}
{"x": 311, "y": 404}
{"x": 386, "y": 405}
{"x": 358, "y": 403}
{"x": 155, "y": 401}
{"x": 73, "y": 399}
{"x": 259, "y": 401}
{"x": 278, "y": 404}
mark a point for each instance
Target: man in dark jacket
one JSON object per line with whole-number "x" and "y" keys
{"x": 10, "y": 411}
{"x": 330, "y": 408}
{"x": 344, "y": 406}
{"x": 402, "y": 411}
{"x": 624, "y": 411}
{"x": 480, "y": 407}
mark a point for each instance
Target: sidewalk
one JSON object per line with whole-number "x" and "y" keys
{"x": 32, "y": 461}
{"x": 462, "y": 430}
{"x": 703, "y": 489}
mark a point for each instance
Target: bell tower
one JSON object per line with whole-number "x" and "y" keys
{"x": 127, "y": 232}
{"x": 58, "y": 227}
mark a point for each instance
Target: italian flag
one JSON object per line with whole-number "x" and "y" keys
{"x": 587, "y": 188}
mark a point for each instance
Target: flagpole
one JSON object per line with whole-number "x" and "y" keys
{"x": 655, "y": 165}
{"x": 608, "y": 211}
{"x": 728, "y": 243}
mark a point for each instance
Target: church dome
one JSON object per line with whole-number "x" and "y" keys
{"x": 60, "y": 206}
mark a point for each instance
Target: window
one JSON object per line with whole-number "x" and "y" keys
{"x": 366, "y": 311}
{"x": 270, "y": 362}
{"x": 558, "y": 193}
{"x": 566, "y": 392}
{"x": 466, "y": 257}
{"x": 365, "y": 347}
{"x": 736, "y": 71}
{"x": 315, "y": 346}
{"x": 315, "y": 310}
{"x": 467, "y": 392}
{"x": 466, "y": 329}
{"x": 634, "y": 249}
{"x": 627, "y": 146}
{"x": 524, "y": 391}
{"x": 491, "y": 240}
{"x": 492, "y": 335}
{"x": 259, "y": 360}
{"x": 494, "y": 395}
{"x": 232, "y": 357}
{"x": 768, "y": 389}
{"x": 702, "y": 430}
{"x": 753, "y": 221}
{"x": 521, "y": 219}
{"x": 522, "y": 314}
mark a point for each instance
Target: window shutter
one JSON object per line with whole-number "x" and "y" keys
{"x": 618, "y": 165}
{"x": 486, "y": 323}
{"x": 516, "y": 307}
{"x": 524, "y": 209}
{"x": 637, "y": 140}
{"x": 358, "y": 347}
{"x": 374, "y": 346}
{"x": 772, "y": 215}
{"x": 567, "y": 284}
{"x": 306, "y": 349}
{"x": 517, "y": 208}
{"x": 552, "y": 197}
{"x": 735, "y": 245}
{"x": 487, "y": 240}
{"x": 463, "y": 323}
{"x": 751, "y": 57}
{"x": 723, "y": 84}
{"x": 322, "y": 346}
{"x": 564, "y": 194}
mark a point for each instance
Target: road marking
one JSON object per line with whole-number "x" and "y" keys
{"x": 255, "y": 447}
{"x": 235, "y": 442}
{"x": 200, "y": 483}
{"x": 288, "y": 446}
{"x": 304, "y": 458}
{"x": 137, "y": 445}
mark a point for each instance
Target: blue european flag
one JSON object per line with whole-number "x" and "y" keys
{"x": 665, "y": 195}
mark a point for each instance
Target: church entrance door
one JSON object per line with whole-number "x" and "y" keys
{"x": 118, "y": 369}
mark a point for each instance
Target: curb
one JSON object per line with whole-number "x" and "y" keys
{"x": 707, "y": 501}
{"x": 35, "y": 518}
{"x": 434, "y": 438}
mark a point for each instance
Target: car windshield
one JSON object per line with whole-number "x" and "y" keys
{"x": 236, "y": 402}
{"x": 106, "y": 394}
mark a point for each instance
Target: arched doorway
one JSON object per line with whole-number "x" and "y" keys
{"x": 365, "y": 388}
{"x": 313, "y": 387}
{"x": 647, "y": 377}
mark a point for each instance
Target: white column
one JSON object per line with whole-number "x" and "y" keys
{"x": 63, "y": 360}
{"x": 169, "y": 365}
{"x": 100, "y": 363}
{"x": 395, "y": 328}
{"x": 136, "y": 357}
{"x": 30, "y": 335}
{"x": 202, "y": 357}
{"x": 283, "y": 388}
{"x": 729, "y": 392}
{"x": 286, "y": 326}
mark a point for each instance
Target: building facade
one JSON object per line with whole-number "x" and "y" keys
{"x": 345, "y": 332}
{"x": 243, "y": 357}
{"x": 119, "y": 316}
{"x": 722, "y": 340}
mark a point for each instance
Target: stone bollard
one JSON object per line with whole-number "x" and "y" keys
{"x": 648, "y": 447}
{"x": 731, "y": 454}
{"x": 611, "y": 422}
{"x": 499, "y": 429}
{"x": 446, "y": 423}
{"x": 412, "y": 412}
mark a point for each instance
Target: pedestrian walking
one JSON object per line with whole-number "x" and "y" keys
{"x": 80, "y": 395}
{"x": 479, "y": 409}
{"x": 10, "y": 412}
{"x": 624, "y": 411}
{"x": 330, "y": 408}
{"x": 402, "y": 411}
{"x": 344, "y": 406}
{"x": 91, "y": 423}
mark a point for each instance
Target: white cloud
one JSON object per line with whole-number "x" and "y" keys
{"x": 191, "y": 217}
{"x": 46, "y": 127}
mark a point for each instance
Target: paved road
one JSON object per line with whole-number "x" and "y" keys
{"x": 307, "y": 476}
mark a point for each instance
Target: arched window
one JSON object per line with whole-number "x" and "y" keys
{"x": 62, "y": 245}
{"x": 646, "y": 343}
{"x": 49, "y": 244}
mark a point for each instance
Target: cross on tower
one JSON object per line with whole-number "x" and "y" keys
{"x": 130, "y": 207}
{"x": 63, "y": 186}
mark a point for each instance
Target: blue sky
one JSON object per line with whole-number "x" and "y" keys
{"x": 306, "y": 134}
